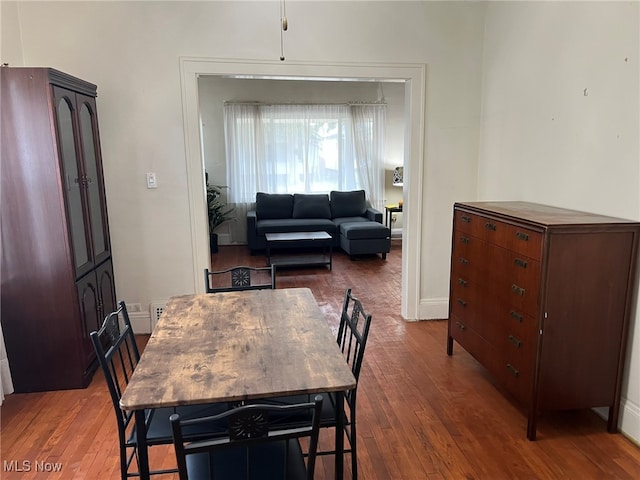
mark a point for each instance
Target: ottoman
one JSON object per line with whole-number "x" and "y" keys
{"x": 358, "y": 238}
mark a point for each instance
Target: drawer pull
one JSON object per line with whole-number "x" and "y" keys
{"x": 463, "y": 261}
{"x": 517, "y": 290}
{"x": 490, "y": 226}
{"x": 463, "y": 282}
{"x": 465, "y": 219}
{"x": 460, "y": 326}
{"x": 517, "y": 316}
{"x": 464, "y": 240}
{"x": 522, "y": 236}
{"x": 515, "y": 341}
{"x": 520, "y": 263}
{"x": 462, "y": 302}
{"x": 514, "y": 371}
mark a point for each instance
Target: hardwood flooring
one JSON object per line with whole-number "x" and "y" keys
{"x": 421, "y": 414}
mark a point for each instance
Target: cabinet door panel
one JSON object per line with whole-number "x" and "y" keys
{"x": 72, "y": 180}
{"x": 88, "y": 297}
{"x": 106, "y": 289}
{"x": 94, "y": 181}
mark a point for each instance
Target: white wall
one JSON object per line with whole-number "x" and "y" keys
{"x": 560, "y": 119}
{"x": 131, "y": 50}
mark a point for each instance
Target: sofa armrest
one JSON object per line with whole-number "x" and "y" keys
{"x": 374, "y": 214}
{"x": 252, "y": 232}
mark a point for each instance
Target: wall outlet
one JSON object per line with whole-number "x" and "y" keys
{"x": 134, "y": 307}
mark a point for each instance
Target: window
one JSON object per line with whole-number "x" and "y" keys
{"x": 304, "y": 149}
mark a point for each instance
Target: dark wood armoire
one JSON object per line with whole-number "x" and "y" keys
{"x": 542, "y": 296}
{"x": 57, "y": 275}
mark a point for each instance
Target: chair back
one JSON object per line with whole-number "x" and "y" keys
{"x": 240, "y": 278}
{"x": 353, "y": 333}
{"x": 118, "y": 355}
{"x": 252, "y": 446}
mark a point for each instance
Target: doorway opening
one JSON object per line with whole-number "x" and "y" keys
{"x": 413, "y": 79}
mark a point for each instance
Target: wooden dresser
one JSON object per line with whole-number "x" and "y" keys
{"x": 541, "y": 297}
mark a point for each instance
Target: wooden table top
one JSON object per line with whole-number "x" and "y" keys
{"x": 237, "y": 346}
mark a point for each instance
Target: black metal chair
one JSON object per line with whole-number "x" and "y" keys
{"x": 240, "y": 278}
{"x": 352, "y": 336}
{"x": 118, "y": 356}
{"x": 253, "y": 449}
{"x": 353, "y": 333}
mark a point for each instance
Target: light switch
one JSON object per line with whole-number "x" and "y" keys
{"x": 151, "y": 180}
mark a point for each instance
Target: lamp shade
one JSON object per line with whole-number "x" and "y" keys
{"x": 398, "y": 176}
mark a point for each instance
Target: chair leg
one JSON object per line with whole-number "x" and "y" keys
{"x": 353, "y": 441}
{"x": 124, "y": 463}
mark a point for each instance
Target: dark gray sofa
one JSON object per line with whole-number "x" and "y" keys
{"x": 354, "y": 226}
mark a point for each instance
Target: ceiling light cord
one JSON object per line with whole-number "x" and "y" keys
{"x": 284, "y": 24}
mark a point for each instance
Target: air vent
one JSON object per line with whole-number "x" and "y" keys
{"x": 156, "y": 310}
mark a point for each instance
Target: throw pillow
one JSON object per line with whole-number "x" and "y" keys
{"x": 273, "y": 205}
{"x": 311, "y": 206}
{"x": 348, "y": 204}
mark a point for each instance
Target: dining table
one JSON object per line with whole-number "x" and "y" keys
{"x": 234, "y": 347}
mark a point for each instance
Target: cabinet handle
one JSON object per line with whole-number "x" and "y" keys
{"x": 520, "y": 263}
{"x": 517, "y": 290}
{"x": 514, "y": 371}
{"x": 460, "y": 326}
{"x": 465, "y": 219}
{"x": 464, "y": 240}
{"x": 522, "y": 236}
{"x": 517, "y": 316}
{"x": 463, "y": 282}
{"x": 515, "y": 341}
{"x": 463, "y": 261}
{"x": 462, "y": 302}
{"x": 490, "y": 226}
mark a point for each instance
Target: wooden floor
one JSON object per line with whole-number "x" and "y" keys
{"x": 421, "y": 414}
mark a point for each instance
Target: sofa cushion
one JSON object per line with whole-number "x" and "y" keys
{"x": 364, "y": 230}
{"x": 341, "y": 220}
{"x": 274, "y": 205}
{"x": 296, "y": 225}
{"x": 311, "y": 206}
{"x": 348, "y": 204}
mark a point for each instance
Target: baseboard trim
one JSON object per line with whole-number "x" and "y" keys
{"x": 140, "y": 322}
{"x": 433, "y": 309}
{"x": 629, "y": 420}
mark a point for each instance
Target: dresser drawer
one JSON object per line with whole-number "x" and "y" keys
{"x": 472, "y": 342}
{"x": 515, "y": 365}
{"x": 489, "y": 315}
{"x": 520, "y": 239}
{"x": 477, "y": 258}
{"x": 471, "y": 292}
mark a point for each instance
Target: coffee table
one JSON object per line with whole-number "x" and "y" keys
{"x": 290, "y": 239}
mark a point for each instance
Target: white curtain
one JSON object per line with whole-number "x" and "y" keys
{"x": 368, "y": 140}
{"x": 302, "y": 149}
{"x": 6, "y": 384}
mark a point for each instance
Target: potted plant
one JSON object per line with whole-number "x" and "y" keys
{"x": 218, "y": 211}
